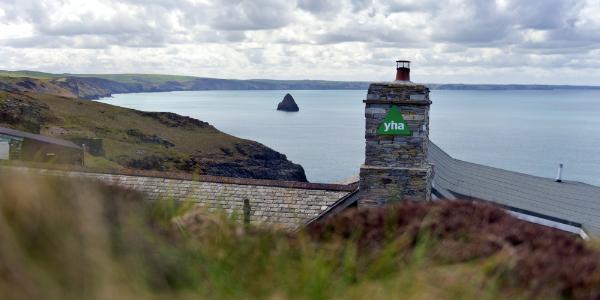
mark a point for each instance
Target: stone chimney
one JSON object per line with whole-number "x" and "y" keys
{"x": 397, "y": 137}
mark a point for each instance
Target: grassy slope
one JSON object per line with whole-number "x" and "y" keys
{"x": 87, "y": 118}
{"x": 73, "y": 118}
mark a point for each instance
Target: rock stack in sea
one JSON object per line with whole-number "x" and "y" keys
{"x": 288, "y": 104}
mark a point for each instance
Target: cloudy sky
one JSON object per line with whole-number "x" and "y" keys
{"x": 449, "y": 41}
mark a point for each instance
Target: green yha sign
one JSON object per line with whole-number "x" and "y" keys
{"x": 394, "y": 124}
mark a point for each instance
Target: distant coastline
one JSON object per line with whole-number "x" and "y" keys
{"x": 95, "y": 86}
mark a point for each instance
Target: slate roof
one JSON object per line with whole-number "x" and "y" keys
{"x": 37, "y": 137}
{"x": 568, "y": 202}
{"x": 288, "y": 204}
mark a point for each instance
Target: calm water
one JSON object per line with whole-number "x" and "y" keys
{"x": 524, "y": 131}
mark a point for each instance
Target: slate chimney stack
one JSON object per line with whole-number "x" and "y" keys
{"x": 397, "y": 137}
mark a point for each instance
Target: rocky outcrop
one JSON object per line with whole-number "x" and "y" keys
{"x": 248, "y": 160}
{"x": 88, "y": 88}
{"x": 141, "y": 137}
{"x": 23, "y": 114}
{"x": 288, "y": 104}
{"x": 175, "y": 120}
{"x": 258, "y": 161}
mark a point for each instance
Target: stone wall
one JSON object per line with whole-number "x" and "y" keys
{"x": 281, "y": 203}
{"x": 396, "y": 166}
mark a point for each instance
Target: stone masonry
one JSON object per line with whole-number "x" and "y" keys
{"x": 396, "y": 167}
{"x": 281, "y": 203}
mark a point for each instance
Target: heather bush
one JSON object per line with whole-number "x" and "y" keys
{"x": 539, "y": 260}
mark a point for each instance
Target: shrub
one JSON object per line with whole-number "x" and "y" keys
{"x": 535, "y": 257}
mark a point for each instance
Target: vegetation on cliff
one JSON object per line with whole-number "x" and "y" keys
{"x": 144, "y": 140}
{"x": 80, "y": 240}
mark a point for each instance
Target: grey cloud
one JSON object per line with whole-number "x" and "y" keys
{"x": 215, "y": 36}
{"x": 320, "y": 6}
{"x": 472, "y": 22}
{"x": 358, "y": 5}
{"x": 256, "y": 56}
{"x": 482, "y": 23}
{"x": 436, "y": 32}
{"x": 55, "y": 42}
{"x": 393, "y": 6}
{"x": 22, "y": 10}
{"x": 145, "y": 40}
{"x": 548, "y": 14}
{"x": 87, "y": 24}
{"x": 326, "y": 8}
{"x": 370, "y": 33}
{"x": 251, "y": 14}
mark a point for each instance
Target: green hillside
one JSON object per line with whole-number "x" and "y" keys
{"x": 143, "y": 140}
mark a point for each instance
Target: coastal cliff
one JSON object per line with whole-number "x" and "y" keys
{"x": 143, "y": 140}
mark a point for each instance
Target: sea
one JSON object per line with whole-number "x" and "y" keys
{"x": 528, "y": 131}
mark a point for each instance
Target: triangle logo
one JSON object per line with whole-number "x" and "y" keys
{"x": 394, "y": 124}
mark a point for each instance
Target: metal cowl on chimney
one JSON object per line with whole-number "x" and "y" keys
{"x": 402, "y": 70}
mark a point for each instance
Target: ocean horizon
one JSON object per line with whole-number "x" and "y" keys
{"x": 527, "y": 131}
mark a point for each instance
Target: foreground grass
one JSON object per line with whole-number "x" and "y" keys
{"x": 79, "y": 240}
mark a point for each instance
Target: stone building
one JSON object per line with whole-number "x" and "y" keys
{"x": 24, "y": 146}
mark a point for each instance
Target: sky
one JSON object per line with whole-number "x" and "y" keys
{"x": 448, "y": 41}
